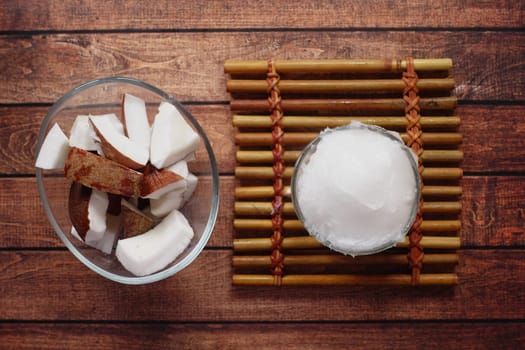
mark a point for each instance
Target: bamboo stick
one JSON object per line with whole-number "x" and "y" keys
{"x": 303, "y": 138}
{"x": 336, "y": 66}
{"x": 266, "y": 172}
{"x": 254, "y": 192}
{"x": 442, "y": 155}
{"x": 257, "y": 172}
{"x": 296, "y": 225}
{"x": 265, "y": 244}
{"x": 240, "y": 261}
{"x": 308, "y": 242}
{"x": 442, "y": 173}
{"x": 344, "y": 105}
{"x": 261, "y": 208}
{"x": 321, "y": 122}
{"x": 338, "y": 86}
{"x": 265, "y": 208}
{"x": 426, "y": 279}
{"x": 441, "y": 207}
{"x": 442, "y": 191}
{"x": 255, "y": 157}
{"x": 251, "y": 192}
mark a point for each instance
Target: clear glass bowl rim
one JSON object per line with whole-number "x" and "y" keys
{"x": 214, "y": 175}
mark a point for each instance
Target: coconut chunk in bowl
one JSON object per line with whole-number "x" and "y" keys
{"x": 105, "y": 151}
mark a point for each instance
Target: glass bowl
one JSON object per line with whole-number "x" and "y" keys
{"x": 386, "y": 242}
{"x": 102, "y": 96}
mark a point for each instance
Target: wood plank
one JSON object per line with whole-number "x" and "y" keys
{"x": 483, "y": 67}
{"x": 483, "y": 335}
{"x": 97, "y": 15}
{"x": 53, "y": 285}
{"x": 492, "y": 215}
{"x": 26, "y": 225}
{"x": 491, "y": 143}
{"x": 485, "y": 129}
{"x": 19, "y": 127}
{"x": 493, "y": 211}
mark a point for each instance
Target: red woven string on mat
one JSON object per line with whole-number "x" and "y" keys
{"x": 414, "y": 132}
{"x": 274, "y": 105}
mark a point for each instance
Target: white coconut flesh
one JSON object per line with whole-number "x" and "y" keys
{"x": 190, "y": 157}
{"x": 180, "y": 168}
{"x": 81, "y": 134}
{"x": 191, "y": 185}
{"x": 106, "y": 242}
{"x": 174, "y": 199}
{"x": 97, "y": 208}
{"x": 136, "y": 119}
{"x": 53, "y": 153}
{"x": 172, "y": 139}
{"x": 155, "y": 249}
{"x": 112, "y": 117}
{"x": 116, "y": 123}
{"x": 122, "y": 144}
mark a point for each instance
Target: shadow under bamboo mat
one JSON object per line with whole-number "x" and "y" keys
{"x": 310, "y": 95}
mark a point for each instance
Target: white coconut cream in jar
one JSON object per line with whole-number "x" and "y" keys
{"x": 356, "y": 189}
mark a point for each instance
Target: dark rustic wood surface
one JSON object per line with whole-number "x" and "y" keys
{"x": 48, "y": 299}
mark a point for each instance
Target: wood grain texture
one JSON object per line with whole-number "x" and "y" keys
{"x": 406, "y": 335}
{"x": 484, "y": 207}
{"x": 19, "y": 127}
{"x": 98, "y": 15}
{"x": 492, "y": 139}
{"x": 53, "y": 285}
{"x": 47, "y": 48}
{"x": 492, "y": 215}
{"x": 41, "y": 68}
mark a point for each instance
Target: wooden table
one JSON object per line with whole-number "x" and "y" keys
{"x": 49, "y": 299}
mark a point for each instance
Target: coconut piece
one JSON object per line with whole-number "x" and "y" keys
{"x": 53, "y": 153}
{"x": 172, "y": 139}
{"x": 190, "y": 157}
{"x": 159, "y": 182}
{"x": 139, "y": 202}
{"x": 75, "y": 234}
{"x": 117, "y": 146}
{"x": 81, "y": 134}
{"x": 147, "y": 212}
{"x": 87, "y": 211}
{"x": 78, "y": 205}
{"x": 115, "y": 121}
{"x": 134, "y": 222}
{"x": 102, "y": 174}
{"x": 106, "y": 243}
{"x": 191, "y": 185}
{"x": 180, "y": 168}
{"x": 114, "y": 204}
{"x": 136, "y": 119}
{"x": 168, "y": 202}
{"x": 175, "y": 199}
{"x": 155, "y": 249}
{"x": 98, "y": 206}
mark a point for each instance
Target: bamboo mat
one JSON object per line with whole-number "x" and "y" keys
{"x": 278, "y": 106}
